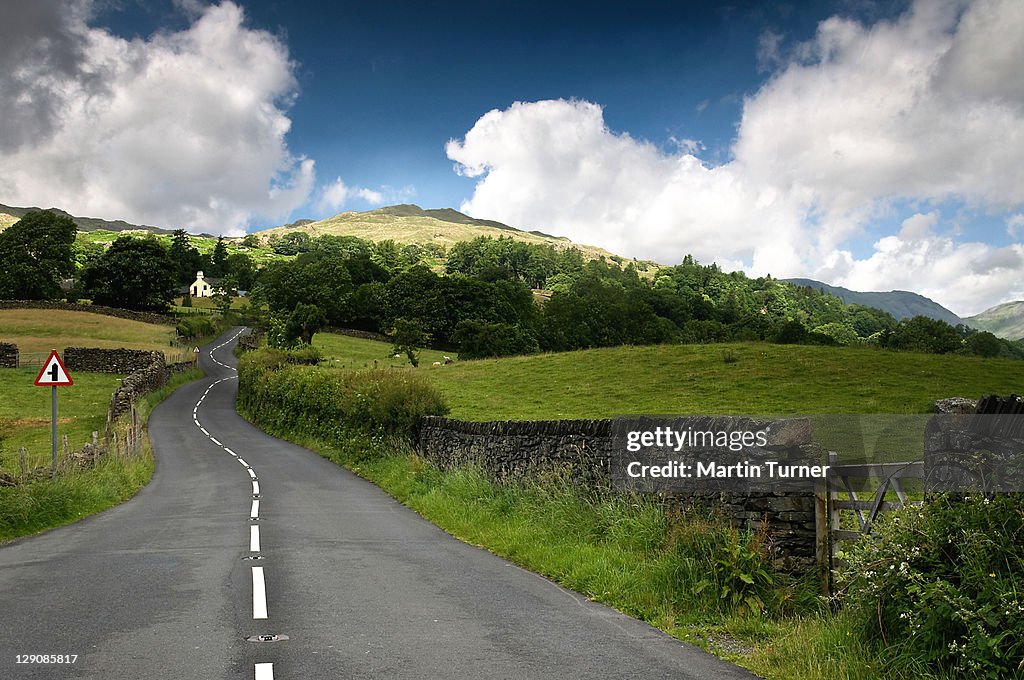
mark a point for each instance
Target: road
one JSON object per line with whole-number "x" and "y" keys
{"x": 165, "y": 586}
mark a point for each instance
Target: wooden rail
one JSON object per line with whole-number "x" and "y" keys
{"x": 829, "y": 506}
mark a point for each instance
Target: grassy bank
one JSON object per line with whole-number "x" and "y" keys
{"x": 44, "y": 504}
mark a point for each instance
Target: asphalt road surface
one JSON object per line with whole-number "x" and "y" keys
{"x": 165, "y": 586}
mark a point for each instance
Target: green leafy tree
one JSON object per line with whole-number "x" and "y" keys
{"x": 408, "y": 337}
{"x": 35, "y": 253}
{"x": 311, "y": 278}
{"x": 984, "y": 344}
{"x": 922, "y": 334}
{"x": 304, "y": 322}
{"x": 243, "y": 268}
{"x": 134, "y": 274}
{"x": 251, "y": 241}
{"x": 224, "y": 293}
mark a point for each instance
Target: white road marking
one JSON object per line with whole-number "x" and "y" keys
{"x": 242, "y": 461}
{"x": 264, "y": 671}
{"x": 254, "y": 539}
{"x": 203, "y": 430}
{"x": 214, "y": 440}
{"x": 227, "y": 450}
{"x": 255, "y": 488}
{"x": 259, "y": 594}
{"x": 255, "y": 511}
{"x": 252, "y": 473}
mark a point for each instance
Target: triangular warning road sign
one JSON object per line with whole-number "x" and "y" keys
{"x": 53, "y": 372}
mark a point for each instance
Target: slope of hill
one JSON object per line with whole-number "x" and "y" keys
{"x": 1005, "y": 320}
{"x": 901, "y": 304}
{"x": 413, "y": 224}
{"x": 83, "y": 223}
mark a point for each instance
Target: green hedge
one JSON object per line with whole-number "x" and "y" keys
{"x": 278, "y": 393}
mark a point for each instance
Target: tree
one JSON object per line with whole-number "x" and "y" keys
{"x": 311, "y": 278}
{"x": 407, "y": 337}
{"x": 224, "y": 293}
{"x": 243, "y": 268}
{"x": 984, "y": 344}
{"x": 922, "y": 334}
{"x": 134, "y": 273}
{"x": 251, "y": 241}
{"x": 220, "y": 257}
{"x": 35, "y": 253}
{"x": 184, "y": 258}
{"x": 304, "y": 322}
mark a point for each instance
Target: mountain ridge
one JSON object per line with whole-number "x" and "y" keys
{"x": 902, "y": 304}
{"x": 1005, "y": 320}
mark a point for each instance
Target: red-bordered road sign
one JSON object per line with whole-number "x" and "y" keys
{"x": 54, "y": 373}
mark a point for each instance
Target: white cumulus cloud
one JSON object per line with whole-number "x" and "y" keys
{"x": 183, "y": 128}
{"x": 922, "y": 110}
{"x": 337, "y": 193}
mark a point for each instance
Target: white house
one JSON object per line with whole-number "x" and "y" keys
{"x": 202, "y": 287}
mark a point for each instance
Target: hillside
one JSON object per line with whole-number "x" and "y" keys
{"x": 1005, "y": 320}
{"x": 414, "y": 225}
{"x": 901, "y": 304}
{"x": 10, "y": 214}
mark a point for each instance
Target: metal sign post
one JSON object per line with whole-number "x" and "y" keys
{"x": 53, "y": 374}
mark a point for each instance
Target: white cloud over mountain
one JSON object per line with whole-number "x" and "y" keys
{"x": 926, "y": 110}
{"x": 181, "y": 129}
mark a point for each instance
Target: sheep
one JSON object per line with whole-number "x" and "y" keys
{"x": 448, "y": 360}
{"x": 437, "y": 363}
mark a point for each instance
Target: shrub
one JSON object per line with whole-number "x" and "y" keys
{"x": 329, "y": 403}
{"x": 944, "y": 585}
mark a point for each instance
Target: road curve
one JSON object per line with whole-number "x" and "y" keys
{"x": 353, "y": 584}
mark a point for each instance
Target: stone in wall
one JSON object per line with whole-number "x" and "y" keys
{"x": 122, "y": 361}
{"x": 8, "y": 355}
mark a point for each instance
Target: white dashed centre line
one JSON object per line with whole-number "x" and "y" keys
{"x": 263, "y": 671}
{"x": 259, "y": 594}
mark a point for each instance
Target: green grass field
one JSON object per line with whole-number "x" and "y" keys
{"x": 40, "y": 330}
{"x": 343, "y": 351}
{"x": 682, "y": 379}
{"x": 25, "y": 413}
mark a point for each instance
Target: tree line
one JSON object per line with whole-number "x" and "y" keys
{"x": 495, "y": 297}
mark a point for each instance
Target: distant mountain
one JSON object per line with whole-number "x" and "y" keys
{"x": 84, "y": 223}
{"x": 412, "y": 224}
{"x": 901, "y": 304}
{"x": 1005, "y": 320}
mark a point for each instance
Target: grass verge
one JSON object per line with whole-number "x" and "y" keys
{"x": 48, "y": 503}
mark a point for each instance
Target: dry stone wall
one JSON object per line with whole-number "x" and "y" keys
{"x": 8, "y": 355}
{"x": 583, "y": 449}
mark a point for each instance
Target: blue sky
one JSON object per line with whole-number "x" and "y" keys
{"x": 868, "y": 144}
{"x": 383, "y": 86}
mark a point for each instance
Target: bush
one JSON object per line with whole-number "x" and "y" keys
{"x": 305, "y": 400}
{"x": 944, "y": 585}
{"x": 197, "y": 326}
{"x": 480, "y": 339}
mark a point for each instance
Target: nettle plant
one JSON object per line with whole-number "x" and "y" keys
{"x": 943, "y": 585}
